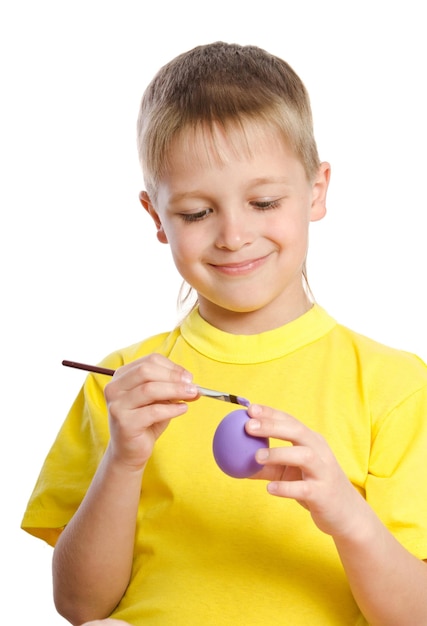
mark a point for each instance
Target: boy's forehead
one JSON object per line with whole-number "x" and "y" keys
{"x": 220, "y": 143}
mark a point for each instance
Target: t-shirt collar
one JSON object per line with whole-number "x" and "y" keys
{"x": 267, "y": 346}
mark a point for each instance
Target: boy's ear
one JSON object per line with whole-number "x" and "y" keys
{"x": 146, "y": 203}
{"x": 320, "y": 189}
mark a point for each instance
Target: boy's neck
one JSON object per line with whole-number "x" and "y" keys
{"x": 252, "y": 322}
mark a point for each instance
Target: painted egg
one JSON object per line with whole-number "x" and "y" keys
{"x": 233, "y": 449}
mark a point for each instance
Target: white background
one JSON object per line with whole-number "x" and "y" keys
{"x": 81, "y": 270}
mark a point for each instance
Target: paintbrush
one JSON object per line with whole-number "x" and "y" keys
{"x": 203, "y": 391}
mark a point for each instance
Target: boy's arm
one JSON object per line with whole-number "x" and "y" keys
{"x": 92, "y": 559}
{"x": 388, "y": 583}
{"x": 93, "y": 556}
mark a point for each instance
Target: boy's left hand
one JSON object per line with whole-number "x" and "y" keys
{"x": 306, "y": 471}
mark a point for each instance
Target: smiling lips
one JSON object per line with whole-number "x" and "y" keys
{"x": 241, "y": 268}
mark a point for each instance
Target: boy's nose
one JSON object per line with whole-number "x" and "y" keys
{"x": 234, "y": 232}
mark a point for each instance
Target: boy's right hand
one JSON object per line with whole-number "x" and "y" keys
{"x": 142, "y": 397}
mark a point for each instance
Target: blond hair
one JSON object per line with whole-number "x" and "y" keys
{"x": 228, "y": 85}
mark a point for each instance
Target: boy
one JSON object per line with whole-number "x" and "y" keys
{"x": 146, "y": 527}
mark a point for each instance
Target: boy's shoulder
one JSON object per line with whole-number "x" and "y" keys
{"x": 161, "y": 343}
{"x": 382, "y": 364}
{"x": 371, "y": 347}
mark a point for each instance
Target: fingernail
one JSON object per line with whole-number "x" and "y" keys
{"x": 191, "y": 390}
{"x": 186, "y": 377}
{"x": 254, "y": 424}
{"x": 262, "y": 454}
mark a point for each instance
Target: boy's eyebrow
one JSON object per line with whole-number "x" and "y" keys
{"x": 267, "y": 180}
{"x": 183, "y": 195}
{"x": 256, "y": 182}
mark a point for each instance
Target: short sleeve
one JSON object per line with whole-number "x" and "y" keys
{"x": 70, "y": 464}
{"x": 396, "y": 486}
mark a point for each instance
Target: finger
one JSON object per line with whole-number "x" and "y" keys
{"x": 302, "y": 457}
{"x": 151, "y": 393}
{"x": 269, "y": 422}
{"x": 150, "y": 368}
{"x": 151, "y": 379}
{"x": 285, "y": 480}
{"x": 297, "y": 490}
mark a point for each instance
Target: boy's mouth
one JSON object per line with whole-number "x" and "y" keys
{"x": 241, "y": 267}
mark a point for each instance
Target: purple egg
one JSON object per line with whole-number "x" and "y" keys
{"x": 233, "y": 449}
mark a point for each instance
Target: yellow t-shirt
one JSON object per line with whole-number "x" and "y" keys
{"x": 211, "y": 549}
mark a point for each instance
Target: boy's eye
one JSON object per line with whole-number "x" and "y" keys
{"x": 266, "y": 204}
{"x": 196, "y": 217}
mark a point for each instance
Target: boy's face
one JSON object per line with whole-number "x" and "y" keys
{"x": 238, "y": 226}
